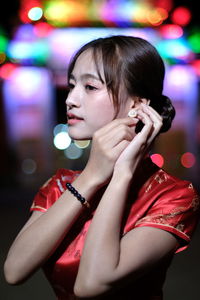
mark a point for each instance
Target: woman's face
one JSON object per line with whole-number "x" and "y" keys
{"x": 89, "y": 105}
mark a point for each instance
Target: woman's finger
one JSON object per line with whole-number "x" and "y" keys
{"x": 113, "y": 124}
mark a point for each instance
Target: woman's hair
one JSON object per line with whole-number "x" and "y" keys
{"x": 132, "y": 68}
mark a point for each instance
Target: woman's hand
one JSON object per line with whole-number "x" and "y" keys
{"x": 138, "y": 147}
{"x": 107, "y": 145}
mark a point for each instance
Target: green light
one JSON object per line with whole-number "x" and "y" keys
{"x": 41, "y": 52}
{"x": 194, "y": 41}
{"x": 3, "y": 43}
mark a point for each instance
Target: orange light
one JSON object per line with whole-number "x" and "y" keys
{"x": 157, "y": 159}
{"x": 181, "y": 16}
{"x": 188, "y": 160}
{"x": 2, "y": 57}
{"x": 157, "y": 16}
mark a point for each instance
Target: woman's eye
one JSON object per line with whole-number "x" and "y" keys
{"x": 90, "y": 87}
{"x": 70, "y": 86}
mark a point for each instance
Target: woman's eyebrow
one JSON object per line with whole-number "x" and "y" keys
{"x": 87, "y": 76}
{"x": 90, "y": 75}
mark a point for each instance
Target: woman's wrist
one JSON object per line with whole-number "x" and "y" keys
{"x": 122, "y": 174}
{"x": 91, "y": 180}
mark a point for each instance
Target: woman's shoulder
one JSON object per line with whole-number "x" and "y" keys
{"x": 176, "y": 183}
{"x": 163, "y": 178}
{"x": 60, "y": 178}
{"x": 52, "y": 189}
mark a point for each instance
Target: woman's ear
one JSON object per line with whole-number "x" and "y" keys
{"x": 141, "y": 100}
{"x": 145, "y": 101}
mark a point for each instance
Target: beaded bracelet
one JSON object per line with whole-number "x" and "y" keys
{"x": 77, "y": 195}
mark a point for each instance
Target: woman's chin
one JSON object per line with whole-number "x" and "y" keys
{"x": 79, "y": 137}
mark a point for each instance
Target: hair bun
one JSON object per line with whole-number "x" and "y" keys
{"x": 168, "y": 113}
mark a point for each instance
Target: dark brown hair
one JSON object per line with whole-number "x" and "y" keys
{"x": 132, "y": 67}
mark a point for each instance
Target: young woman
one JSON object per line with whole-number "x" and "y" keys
{"x": 110, "y": 231}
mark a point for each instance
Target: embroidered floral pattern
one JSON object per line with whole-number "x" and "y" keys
{"x": 60, "y": 186}
{"x": 195, "y": 203}
{"x": 161, "y": 177}
{"x": 180, "y": 227}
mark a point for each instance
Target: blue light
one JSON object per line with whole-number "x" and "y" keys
{"x": 174, "y": 49}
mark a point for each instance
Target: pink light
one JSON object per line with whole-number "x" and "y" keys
{"x": 42, "y": 29}
{"x": 171, "y": 31}
{"x": 157, "y": 159}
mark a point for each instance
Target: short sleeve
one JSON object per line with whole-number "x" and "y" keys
{"x": 176, "y": 211}
{"x": 52, "y": 190}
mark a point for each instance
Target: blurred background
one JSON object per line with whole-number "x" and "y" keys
{"x": 37, "y": 39}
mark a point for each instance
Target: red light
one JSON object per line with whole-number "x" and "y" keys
{"x": 42, "y": 29}
{"x": 157, "y": 159}
{"x": 6, "y": 70}
{"x": 196, "y": 66}
{"x": 166, "y": 4}
{"x": 181, "y": 16}
{"x": 188, "y": 160}
{"x": 171, "y": 31}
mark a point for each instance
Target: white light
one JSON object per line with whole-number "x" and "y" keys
{"x": 72, "y": 152}
{"x": 35, "y": 13}
{"x": 62, "y": 140}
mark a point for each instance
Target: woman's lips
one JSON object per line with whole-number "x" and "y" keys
{"x": 73, "y": 119}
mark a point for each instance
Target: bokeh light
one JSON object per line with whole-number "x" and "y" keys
{"x": 196, "y": 66}
{"x": 181, "y": 16}
{"x": 82, "y": 144}
{"x": 62, "y": 140}
{"x": 188, "y": 160}
{"x": 73, "y": 152}
{"x": 42, "y": 29}
{"x": 171, "y": 31}
{"x": 6, "y": 70}
{"x": 157, "y": 159}
{"x": 3, "y": 43}
{"x": 174, "y": 48}
{"x": 35, "y": 13}
{"x": 28, "y": 166}
{"x": 194, "y": 41}
{"x": 2, "y": 57}
{"x": 60, "y": 128}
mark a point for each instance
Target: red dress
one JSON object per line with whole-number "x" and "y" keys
{"x": 160, "y": 200}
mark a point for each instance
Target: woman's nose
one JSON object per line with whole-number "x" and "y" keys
{"x": 73, "y": 98}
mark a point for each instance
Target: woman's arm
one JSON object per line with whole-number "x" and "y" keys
{"x": 107, "y": 259}
{"x": 44, "y": 231}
